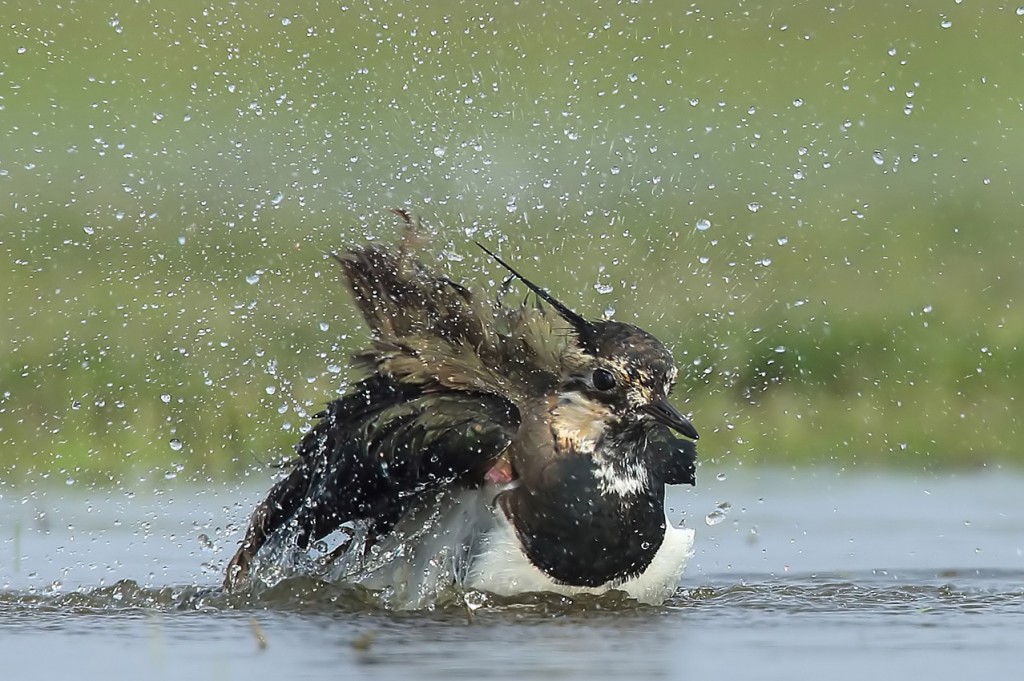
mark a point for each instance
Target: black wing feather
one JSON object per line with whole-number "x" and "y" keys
{"x": 374, "y": 453}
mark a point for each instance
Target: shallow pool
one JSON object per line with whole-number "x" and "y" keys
{"x": 814, "y": 573}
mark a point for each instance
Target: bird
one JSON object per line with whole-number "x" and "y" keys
{"x": 522, "y": 447}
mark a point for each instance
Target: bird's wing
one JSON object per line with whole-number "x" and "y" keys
{"x": 401, "y": 297}
{"x": 447, "y": 377}
{"x": 372, "y": 454}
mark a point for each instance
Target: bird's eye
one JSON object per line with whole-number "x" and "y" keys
{"x": 603, "y": 379}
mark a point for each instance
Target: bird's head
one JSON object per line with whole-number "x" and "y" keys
{"x": 615, "y": 370}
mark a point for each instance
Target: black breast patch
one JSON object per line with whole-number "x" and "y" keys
{"x": 578, "y": 535}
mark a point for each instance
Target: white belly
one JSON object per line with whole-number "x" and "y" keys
{"x": 502, "y": 568}
{"x": 462, "y": 542}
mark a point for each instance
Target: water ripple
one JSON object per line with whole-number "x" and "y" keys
{"x": 874, "y": 593}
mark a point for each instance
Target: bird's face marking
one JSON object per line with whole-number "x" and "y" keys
{"x": 578, "y": 423}
{"x": 628, "y": 371}
{"x": 622, "y": 366}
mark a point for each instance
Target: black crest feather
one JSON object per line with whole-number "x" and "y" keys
{"x": 579, "y": 323}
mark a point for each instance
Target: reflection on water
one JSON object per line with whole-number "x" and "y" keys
{"x": 808, "y": 572}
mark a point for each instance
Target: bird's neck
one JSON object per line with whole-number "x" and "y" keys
{"x": 586, "y": 428}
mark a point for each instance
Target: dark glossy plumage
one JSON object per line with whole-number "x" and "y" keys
{"x": 460, "y": 392}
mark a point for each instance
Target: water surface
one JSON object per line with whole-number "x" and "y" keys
{"x": 810, "y": 573}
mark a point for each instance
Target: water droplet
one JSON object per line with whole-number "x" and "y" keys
{"x": 285, "y": 21}
{"x": 22, "y": 50}
{"x": 718, "y": 515}
{"x": 945, "y": 23}
{"x": 615, "y": 170}
{"x": 782, "y": 240}
{"x": 181, "y": 240}
{"x": 254, "y": 278}
{"x": 603, "y": 288}
{"x": 270, "y": 389}
{"x": 703, "y": 225}
{"x": 165, "y": 398}
{"x": 511, "y": 206}
{"x": 439, "y": 152}
{"x": 1020, "y": 11}
{"x": 632, "y": 78}
{"x": 720, "y": 477}
{"x": 798, "y": 102}
{"x": 927, "y": 309}
{"x": 176, "y": 444}
{"x": 324, "y": 326}
{"x": 572, "y": 135}
{"x": 88, "y": 229}
{"x": 474, "y": 600}
{"x": 878, "y": 158}
{"x": 278, "y": 198}
{"x": 753, "y": 206}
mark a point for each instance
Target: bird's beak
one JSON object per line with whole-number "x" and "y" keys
{"x": 664, "y": 413}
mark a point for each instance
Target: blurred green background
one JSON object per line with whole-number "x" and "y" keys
{"x": 814, "y": 205}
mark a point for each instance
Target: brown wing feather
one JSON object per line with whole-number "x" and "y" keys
{"x": 401, "y": 297}
{"x": 447, "y": 377}
{"x": 430, "y": 330}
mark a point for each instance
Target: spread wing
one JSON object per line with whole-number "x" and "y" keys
{"x": 447, "y": 375}
{"x": 429, "y": 330}
{"x": 372, "y": 454}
